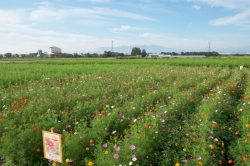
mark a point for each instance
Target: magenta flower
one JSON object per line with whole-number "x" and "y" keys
{"x": 199, "y": 158}
{"x": 184, "y": 161}
{"x": 116, "y": 156}
{"x": 92, "y": 144}
{"x": 105, "y": 145}
{"x": 117, "y": 148}
{"x": 132, "y": 147}
{"x": 133, "y": 156}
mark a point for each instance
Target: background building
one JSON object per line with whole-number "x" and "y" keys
{"x": 39, "y": 53}
{"x": 54, "y": 50}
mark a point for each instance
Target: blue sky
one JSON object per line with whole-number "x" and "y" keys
{"x": 83, "y": 26}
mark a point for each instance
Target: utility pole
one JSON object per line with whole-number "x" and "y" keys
{"x": 112, "y": 47}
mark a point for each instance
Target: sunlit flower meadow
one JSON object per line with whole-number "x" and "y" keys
{"x": 126, "y": 114}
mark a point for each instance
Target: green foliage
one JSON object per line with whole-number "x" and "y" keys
{"x": 136, "y": 51}
{"x": 8, "y": 55}
{"x": 144, "y": 111}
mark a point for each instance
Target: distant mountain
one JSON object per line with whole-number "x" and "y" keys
{"x": 127, "y": 49}
{"x": 235, "y": 50}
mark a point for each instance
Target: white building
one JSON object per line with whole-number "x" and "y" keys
{"x": 54, "y": 50}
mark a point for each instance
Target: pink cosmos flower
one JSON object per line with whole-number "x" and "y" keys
{"x": 116, "y": 156}
{"x": 132, "y": 147}
{"x": 117, "y": 148}
{"x": 105, "y": 145}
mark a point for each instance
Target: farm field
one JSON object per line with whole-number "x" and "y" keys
{"x": 147, "y": 112}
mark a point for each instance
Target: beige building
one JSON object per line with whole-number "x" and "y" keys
{"x": 54, "y": 50}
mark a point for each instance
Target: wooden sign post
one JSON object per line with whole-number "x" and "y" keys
{"x": 52, "y": 146}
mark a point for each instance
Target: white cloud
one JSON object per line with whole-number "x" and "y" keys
{"x": 231, "y": 4}
{"x": 238, "y": 19}
{"x": 151, "y": 35}
{"x": 45, "y": 13}
{"x": 196, "y": 7}
{"x": 95, "y": 1}
{"x": 11, "y": 16}
{"x": 126, "y": 28}
{"x": 43, "y": 3}
{"x": 241, "y": 19}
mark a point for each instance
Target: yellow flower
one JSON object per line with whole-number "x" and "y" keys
{"x": 177, "y": 164}
{"x": 90, "y": 163}
{"x": 67, "y": 160}
{"x": 106, "y": 152}
{"x": 184, "y": 149}
{"x": 192, "y": 127}
{"x": 200, "y": 163}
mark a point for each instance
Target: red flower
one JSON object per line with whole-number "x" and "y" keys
{"x": 172, "y": 114}
{"x": 92, "y": 115}
{"x": 191, "y": 157}
{"x": 148, "y": 126}
{"x": 34, "y": 128}
{"x": 199, "y": 136}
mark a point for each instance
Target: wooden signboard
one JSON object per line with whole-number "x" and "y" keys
{"x": 52, "y": 146}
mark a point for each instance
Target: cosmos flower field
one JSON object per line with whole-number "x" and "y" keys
{"x": 126, "y": 112}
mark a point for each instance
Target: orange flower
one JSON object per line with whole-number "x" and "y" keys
{"x": 245, "y": 159}
{"x": 215, "y": 124}
{"x": 236, "y": 133}
{"x": 238, "y": 117}
{"x": 38, "y": 150}
{"x": 230, "y": 161}
{"x": 176, "y": 143}
{"x": 191, "y": 99}
{"x": 4, "y": 134}
{"x": 222, "y": 152}
{"x": 177, "y": 164}
{"x": 220, "y": 162}
{"x": 200, "y": 163}
{"x": 90, "y": 163}
{"x": 87, "y": 149}
{"x": 222, "y": 144}
{"x": 148, "y": 126}
{"x": 106, "y": 152}
{"x": 91, "y": 141}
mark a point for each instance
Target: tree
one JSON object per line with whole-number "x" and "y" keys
{"x": 135, "y": 51}
{"x": 144, "y": 53}
{"x": 22, "y": 55}
{"x": 8, "y": 55}
{"x": 75, "y": 55}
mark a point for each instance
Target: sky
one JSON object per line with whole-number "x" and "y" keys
{"x": 81, "y": 26}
